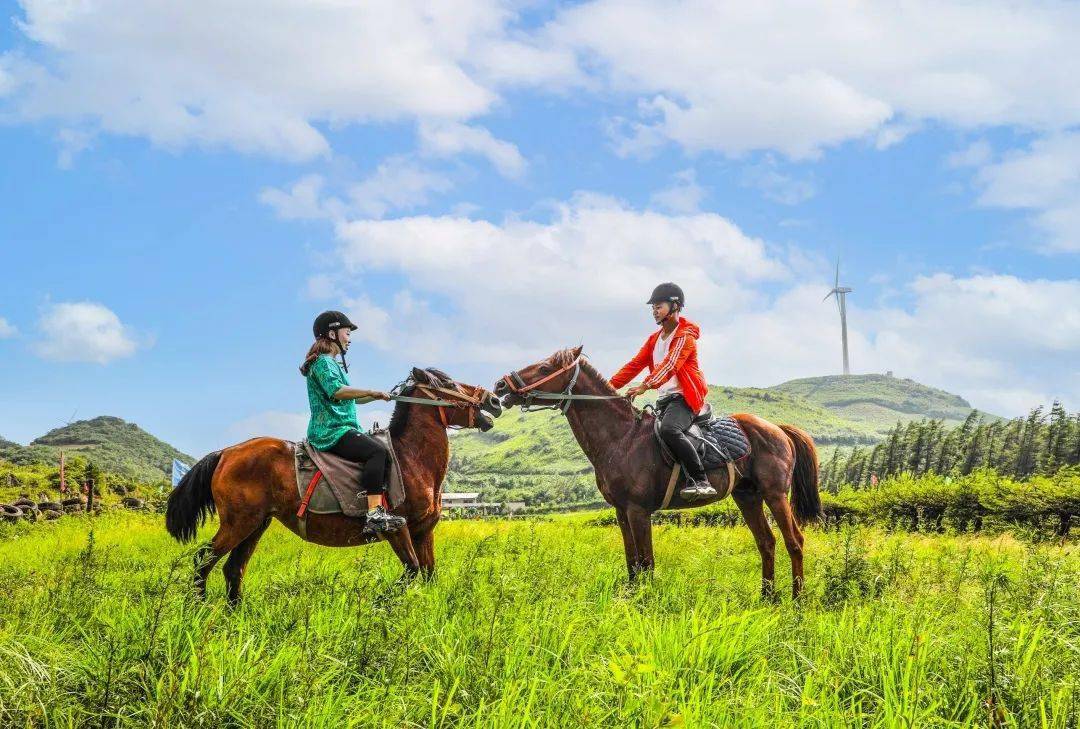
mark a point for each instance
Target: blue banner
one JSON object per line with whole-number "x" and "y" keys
{"x": 178, "y": 471}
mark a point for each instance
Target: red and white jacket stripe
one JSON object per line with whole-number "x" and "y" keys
{"x": 681, "y": 362}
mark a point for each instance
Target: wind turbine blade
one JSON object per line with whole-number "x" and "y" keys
{"x": 828, "y": 295}
{"x": 837, "y": 272}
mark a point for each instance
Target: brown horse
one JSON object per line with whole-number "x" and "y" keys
{"x": 250, "y": 483}
{"x": 631, "y": 474}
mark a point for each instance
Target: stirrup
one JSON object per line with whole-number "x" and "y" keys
{"x": 697, "y": 490}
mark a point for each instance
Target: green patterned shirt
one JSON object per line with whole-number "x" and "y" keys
{"x": 330, "y": 418}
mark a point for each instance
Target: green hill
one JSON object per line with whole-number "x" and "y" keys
{"x": 878, "y": 401}
{"x": 534, "y": 457}
{"x": 113, "y": 444}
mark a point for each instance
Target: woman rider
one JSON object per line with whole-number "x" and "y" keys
{"x": 333, "y": 426}
{"x": 670, "y": 353}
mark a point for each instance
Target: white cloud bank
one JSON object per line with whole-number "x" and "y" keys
{"x": 488, "y": 297}
{"x": 787, "y": 76}
{"x": 82, "y": 332}
{"x": 7, "y": 329}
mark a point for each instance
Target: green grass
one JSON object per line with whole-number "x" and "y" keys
{"x": 531, "y": 623}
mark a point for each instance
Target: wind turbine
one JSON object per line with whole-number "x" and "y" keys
{"x": 841, "y": 292}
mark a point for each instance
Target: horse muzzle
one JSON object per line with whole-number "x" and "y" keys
{"x": 491, "y": 404}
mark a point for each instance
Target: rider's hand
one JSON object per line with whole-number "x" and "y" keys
{"x": 635, "y": 391}
{"x": 384, "y": 396}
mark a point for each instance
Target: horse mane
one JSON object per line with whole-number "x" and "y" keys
{"x": 400, "y": 417}
{"x": 565, "y": 358}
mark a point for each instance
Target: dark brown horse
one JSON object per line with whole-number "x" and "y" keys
{"x": 631, "y": 474}
{"x": 250, "y": 483}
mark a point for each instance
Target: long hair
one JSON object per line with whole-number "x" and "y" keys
{"x": 320, "y": 346}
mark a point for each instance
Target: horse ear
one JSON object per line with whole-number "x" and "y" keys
{"x": 576, "y": 351}
{"x": 420, "y": 375}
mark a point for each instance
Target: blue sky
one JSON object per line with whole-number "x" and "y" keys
{"x": 483, "y": 184}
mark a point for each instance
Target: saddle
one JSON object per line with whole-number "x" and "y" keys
{"x": 330, "y": 484}
{"x": 719, "y": 441}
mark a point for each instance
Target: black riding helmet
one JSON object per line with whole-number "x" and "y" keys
{"x": 667, "y": 292}
{"x": 330, "y": 321}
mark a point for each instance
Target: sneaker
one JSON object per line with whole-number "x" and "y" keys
{"x": 380, "y": 522}
{"x": 696, "y": 490}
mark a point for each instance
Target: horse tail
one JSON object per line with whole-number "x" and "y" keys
{"x": 192, "y": 501}
{"x": 805, "y": 498}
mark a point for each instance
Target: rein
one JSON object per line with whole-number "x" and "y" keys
{"x": 528, "y": 391}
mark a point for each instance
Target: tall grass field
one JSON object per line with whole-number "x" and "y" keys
{"x": 533, "y": 624}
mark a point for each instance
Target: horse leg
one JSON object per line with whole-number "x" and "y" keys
{"x": 793, "y": 538}
{"x": 424, "y": 544}
{"x": 629, "y": 548}
{"x": 402, "y": 544}
{"x": 231, "y": 532}
{"x": 753, "y": 512}
{"x": 237, "y": 562}
{"x": 641, "y": 529}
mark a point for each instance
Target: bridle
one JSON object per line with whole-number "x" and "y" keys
{"x": 462, "y": 401}
{"x": 560, "y": 400}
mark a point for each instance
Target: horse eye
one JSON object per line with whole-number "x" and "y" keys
{"x": 544, "y": 369}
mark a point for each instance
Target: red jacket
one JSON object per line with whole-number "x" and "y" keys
{"x": 681, "y": 361}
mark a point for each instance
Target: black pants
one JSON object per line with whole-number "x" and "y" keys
{"x": 676, "y": 417}
{"x": 364, "y": 449}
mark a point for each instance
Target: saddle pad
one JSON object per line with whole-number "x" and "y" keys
{"x": 725, "y": 442}
{"x": 718, "y": 442}
{"x": 338, "y": 491}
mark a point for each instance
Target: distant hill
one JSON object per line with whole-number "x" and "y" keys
{"x": 536, "y": 452}
{"x": 112, "y": 443}
{"x": 878, "y": 401}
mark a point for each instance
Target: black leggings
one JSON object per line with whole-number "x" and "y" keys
{"x": 675, "y": 418}
{"x": 361, "y": 448}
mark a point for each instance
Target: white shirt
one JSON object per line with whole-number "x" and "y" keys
{"x": 660, "y": 350}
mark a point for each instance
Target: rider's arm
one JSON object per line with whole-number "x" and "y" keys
{"x": 630, "y": 370}
{"x": 361, "y": 396}
{"x": 680, "y": 351}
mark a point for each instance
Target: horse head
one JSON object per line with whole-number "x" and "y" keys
{"x": 554, "y": 375}
{"x": 473, "y": 405}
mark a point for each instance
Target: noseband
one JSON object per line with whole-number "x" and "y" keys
{"x": 562, "y": 400}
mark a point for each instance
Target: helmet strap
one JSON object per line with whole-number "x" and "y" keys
{"x": 341, "y": 350}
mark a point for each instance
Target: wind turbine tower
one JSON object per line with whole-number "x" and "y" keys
{"x": 841, "y": 292}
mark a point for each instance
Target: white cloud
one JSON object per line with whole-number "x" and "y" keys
{"x": 397, "y": 184}
{"x": 480, "y": 296}
{"x": 271, "y": 424}
{"x": 303, "y": 201}
{"x": 1045, "y": 179}
{"x": 976, "y": 154}
{"x": 7, "y": 329}
{"x": 776, "y": 185}
{"x": 684, "y": 195}
{"x": 448, "y": 139}
{"x": 265, "y": 78}
{"x": 82, "y": 332}
{"x": 800, "y": 77}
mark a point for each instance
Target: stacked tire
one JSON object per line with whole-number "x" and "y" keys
{"x": 29, "y": 508}
{"x": 133, "y": 503}
{"x": 10, "y": 513}
{"x": 50, "y": 510}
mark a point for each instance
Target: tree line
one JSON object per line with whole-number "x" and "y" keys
{"x": 1040, "y": 444}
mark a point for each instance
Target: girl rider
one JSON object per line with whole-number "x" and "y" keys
{"x": 671, "y": 356}
{"x": 333, "y": 426}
